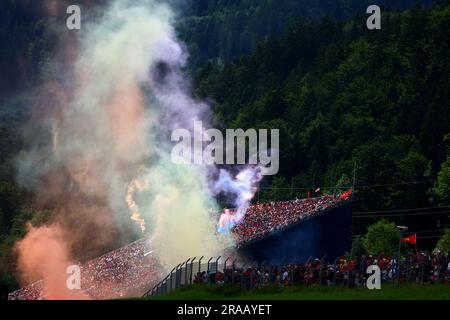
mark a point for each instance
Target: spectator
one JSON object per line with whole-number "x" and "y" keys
{"x": 122, "y": 272}
{"x": 263, "y": 219}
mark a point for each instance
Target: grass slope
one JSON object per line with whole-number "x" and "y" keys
{"x": 387, "y": 292}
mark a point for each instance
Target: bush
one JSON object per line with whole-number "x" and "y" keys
{"x": 443, "y": 244}
{"x": 382, "y": 237}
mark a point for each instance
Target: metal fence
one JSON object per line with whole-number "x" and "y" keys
{"x": 186, "y": 273}
{"x": 250, "y": 275}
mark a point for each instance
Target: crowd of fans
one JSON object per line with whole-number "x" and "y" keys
{"x": 123, "y": 272}
{"x": 421, "y": 267}
{"x": 263, "y": 219}
{"x": 120, "y": 273}
{"x": 31, "y": 292}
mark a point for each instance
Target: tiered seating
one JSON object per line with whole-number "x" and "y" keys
{"x": 263, "y": 219}
{"x": 119, "y": 273}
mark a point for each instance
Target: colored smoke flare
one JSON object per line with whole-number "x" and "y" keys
{"x": 99, "y": 133}
{"x": 134, "y": 186}
{"x": 243, "y": 187}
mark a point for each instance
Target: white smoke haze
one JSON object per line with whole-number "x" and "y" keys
{"x": 105, "y": 163}
{"x": 243, "y": 187}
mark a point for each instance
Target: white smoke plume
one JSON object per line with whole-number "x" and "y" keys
{"x": 243, "y": 187}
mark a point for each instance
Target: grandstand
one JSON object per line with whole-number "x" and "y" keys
{"x": 127, "y": 271}
{"x": 275, "y": 230}
{"x": 279, "y": 232}
{"x": 264, "y": 219}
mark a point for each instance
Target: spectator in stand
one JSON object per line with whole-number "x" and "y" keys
{"x": 262, "y": 219}
{"x": 119, "y": 273}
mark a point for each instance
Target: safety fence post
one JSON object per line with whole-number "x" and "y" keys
{"x": 171, "y": 278}
{"x": 232, "y": 271}
{"x": 335, "y": 271}
{"x": 200, "y": 263}
{"x": 242, "y": 274}
{"x": 186, "y": 271}
{"x": 191, "y": 270}
{"x": 177, "y": 276}
{"x": 321, "y": 269}
{"x": 225, "y": 265}
{"x": 217, "y": 269}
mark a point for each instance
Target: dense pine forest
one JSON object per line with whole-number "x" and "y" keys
{"x": 343, "y": 96}
{"x": 225, "y": 29}
{"x": 355, "y": 107}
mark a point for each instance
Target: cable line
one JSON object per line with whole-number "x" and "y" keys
{"x": 401, "y": 214}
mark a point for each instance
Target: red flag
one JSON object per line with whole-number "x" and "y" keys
{"x": 412, "y": 239}
{"x": 346, "y": 195}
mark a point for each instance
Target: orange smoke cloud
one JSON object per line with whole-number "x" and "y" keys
{"x": 44, "y": 255}
{"x": 92, "y": 130}
{"x": 126, "y": 112}
{"x": 55, "y": 7}
{"x": 87, "y": 139}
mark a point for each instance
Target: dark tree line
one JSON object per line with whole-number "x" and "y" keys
{"x": 220, "y": 30}
{"x": 347, "y": 99}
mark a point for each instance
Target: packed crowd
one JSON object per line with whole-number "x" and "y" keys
{"x": 421, "y": 267}
{"x": 31, "y": 292}
{"x": 263, "y": 219}
{"x": 123, "y": 272}
{"x": 120, "y": 273}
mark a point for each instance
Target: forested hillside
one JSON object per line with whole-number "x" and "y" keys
{"x": 216, "y": 30}
{"x": 220, "y": 30}
{"x": 348, "y": 100}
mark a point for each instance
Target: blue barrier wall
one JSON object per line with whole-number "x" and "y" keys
{"x": 327, "y": 234}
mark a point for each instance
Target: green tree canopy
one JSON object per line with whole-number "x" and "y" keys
{"x": 442, "y": 186}
{"x": 382, "y": 237}
{"x": 443, "y": 244}
{"x": 343, "y": 183}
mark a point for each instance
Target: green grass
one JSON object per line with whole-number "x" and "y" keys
{"x": 387, "y": 292}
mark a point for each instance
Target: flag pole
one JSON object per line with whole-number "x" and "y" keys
{"x": 415, "y": 244}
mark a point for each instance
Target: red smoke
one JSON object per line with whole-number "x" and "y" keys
{"x": 43, "y": 255}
